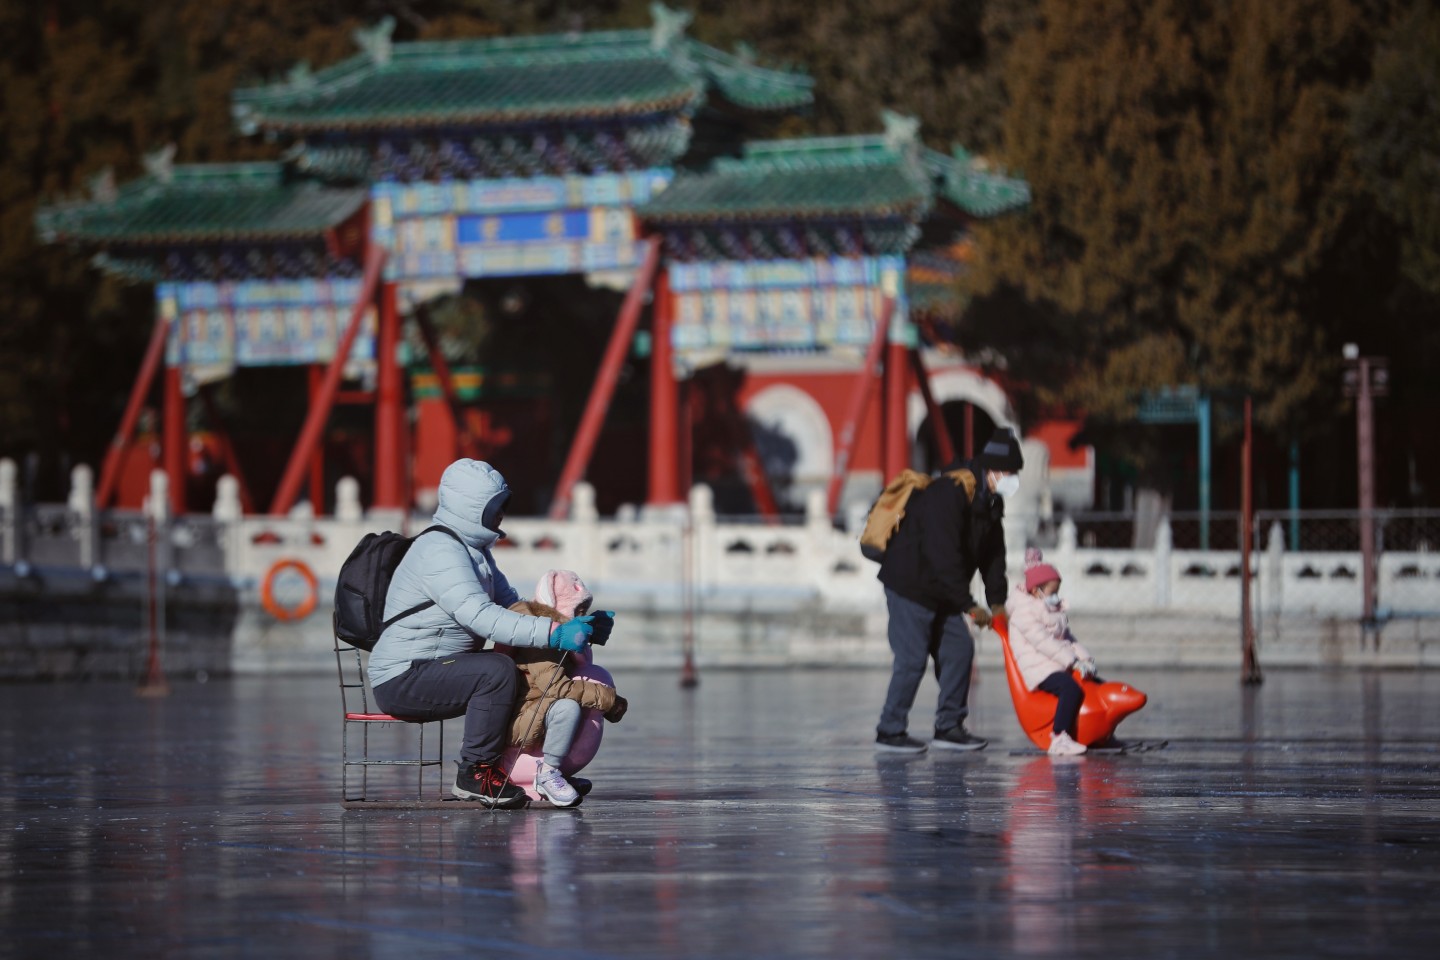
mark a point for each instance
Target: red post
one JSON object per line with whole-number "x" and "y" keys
{"x": 227, "y": 451}
{"x": 317, "y": 458}
{"x": 858, "y": 402}
{"x": 315, "y": 420}
{"x": 1251, "y": 666}
{"x": 389, "y": 461}
{"x": 944, "y": 446}
{"x": 444, "y": 378}
{"x": 897, "y": 388}
{"x": 115, "y": 455}
{"x": 604, "y": 387}
{"x": 664, "y": 485}
{"x": 175, "y": 440}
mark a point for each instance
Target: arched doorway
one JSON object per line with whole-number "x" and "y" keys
{"x": 969, "y": 427}
{"x": 965, "y": 398}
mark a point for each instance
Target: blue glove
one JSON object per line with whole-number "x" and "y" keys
{"x": 603, "y": 621}
{"x": 571, "y": 635}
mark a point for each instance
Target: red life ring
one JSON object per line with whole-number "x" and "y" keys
{"x": 289, "y": 610}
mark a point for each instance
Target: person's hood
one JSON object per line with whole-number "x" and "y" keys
{"x": 563, "y": 590}
{"x": 467, "y": 489}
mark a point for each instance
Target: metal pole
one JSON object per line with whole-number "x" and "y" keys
{"x": 1364, "y": 425}
{"x": 1251, "y": 668}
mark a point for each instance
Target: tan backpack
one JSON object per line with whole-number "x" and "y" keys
{"x": 889, "y": 508}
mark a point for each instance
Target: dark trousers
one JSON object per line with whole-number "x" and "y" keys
{"x": 1067, "y": 689}
{"x": 478, "y": 686}
{"x": 918, "y": 634}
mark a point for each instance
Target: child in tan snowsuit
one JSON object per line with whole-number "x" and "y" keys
{"x": 548, "y": 706}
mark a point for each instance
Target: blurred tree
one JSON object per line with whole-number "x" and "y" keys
{"x": 1194, "y": 190}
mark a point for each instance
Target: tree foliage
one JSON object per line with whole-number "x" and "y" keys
{"x": 1223, "y": 191}
{"x": 1195, "y": 189}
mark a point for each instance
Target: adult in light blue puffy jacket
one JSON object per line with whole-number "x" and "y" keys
{"x": 431, "y": 664}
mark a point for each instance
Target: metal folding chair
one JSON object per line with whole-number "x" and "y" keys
{"x": 355, "y": 702}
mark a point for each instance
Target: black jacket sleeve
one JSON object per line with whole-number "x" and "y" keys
{"x": 992, "y": 565}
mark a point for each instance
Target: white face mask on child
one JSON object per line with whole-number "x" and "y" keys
{"x": 1008, "y": 485}
{"x": 1052, "y": 601}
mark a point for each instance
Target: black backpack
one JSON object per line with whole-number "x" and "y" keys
{"x": 364, "y": 581}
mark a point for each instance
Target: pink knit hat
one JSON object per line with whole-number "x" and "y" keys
{"x": 1037, "y": 573}
{"x": 563, "y": 590}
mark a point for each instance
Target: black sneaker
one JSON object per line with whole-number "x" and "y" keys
{"x": 898, "y": 743}
{"x": 958, "y": 738}
{"x": 482, "y": 782}
{"x": 581, "y": 785}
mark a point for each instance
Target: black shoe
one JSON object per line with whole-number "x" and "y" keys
{"x": 581, "y": 785}
{"x": 898, "y": 743}
{"x": 483, "y": 782}
{"x": 958, "y": 738}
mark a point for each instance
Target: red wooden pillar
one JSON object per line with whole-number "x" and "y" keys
{"x": 317, "y": 457}
{"x": 115, "y": 454}
{"x": 664, "y": 486}
{"x": 175, "y": 440}
{"x": 897, "y": 388}
{"x": 605, "y": 380}
{"x": 389, "y": 461}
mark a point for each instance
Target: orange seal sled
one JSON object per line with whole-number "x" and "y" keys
{"x": 1105, "y": 705}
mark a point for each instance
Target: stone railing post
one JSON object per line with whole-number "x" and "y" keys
{"x": 228, "y": 513}
{"x": 583, "y": 535}
{"x": 818, "y": 536}
{"x": 9, "y": 515}
{"x": 1164, "y": 567}
{"x": 1272, "y": 572}
{"x": 705, "y": 536}
{"x": 81, "y": 506}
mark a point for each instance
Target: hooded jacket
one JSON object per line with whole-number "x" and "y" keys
{"x": 470, "y": 593}
{"x": 951, "y": 529}
{"x": 560, "y": 595}
{"x": 1040, "y": 638}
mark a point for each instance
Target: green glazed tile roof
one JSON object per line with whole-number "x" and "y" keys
{"x": 206, "y": 203}
{"x": 834, "y": 177}
{"x": 514, "y": 80}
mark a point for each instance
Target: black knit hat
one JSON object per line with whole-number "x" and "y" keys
{"x": 1002, "y": 452}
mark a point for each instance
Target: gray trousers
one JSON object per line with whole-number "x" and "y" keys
{"x": 562, "y": 721}
{"x": 916, "y": 635}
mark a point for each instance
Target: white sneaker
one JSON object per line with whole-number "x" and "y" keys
{"x": 553, "y": 786}
{"x": 1062, "y": 746}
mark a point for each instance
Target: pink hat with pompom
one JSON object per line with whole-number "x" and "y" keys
{"x": 563, "y": 590}
{"x": 1037, "y": 572}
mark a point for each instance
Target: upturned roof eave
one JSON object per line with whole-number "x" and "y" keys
{"x": 411, "y": 121}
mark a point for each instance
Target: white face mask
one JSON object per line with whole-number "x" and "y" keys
{"x": 1008, "y": 485}
{"x": 1053, "y": 601}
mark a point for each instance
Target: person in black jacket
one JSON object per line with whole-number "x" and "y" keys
{"x": 951, "y": 530}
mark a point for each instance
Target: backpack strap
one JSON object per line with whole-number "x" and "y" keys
{"x": 964, "y": 478}
{"x": 386, "y": 624}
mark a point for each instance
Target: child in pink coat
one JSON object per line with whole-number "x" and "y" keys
{"x": 1045, "y": 650}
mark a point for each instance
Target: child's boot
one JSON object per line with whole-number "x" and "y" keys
{"x": 553, "y": 786}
